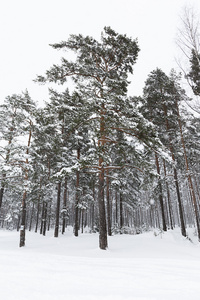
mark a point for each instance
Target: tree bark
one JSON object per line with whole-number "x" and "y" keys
{"x": 64, "y": 206}
{"x": 121, "y": 212}
{"x": 23, "y": 221}
{"x": 76, "y": 221}
{"x": 31, "y": 217}
{"x": 103, "y": 242}
{"x": 171, "y": 218}
{"x": 56, "y": 231}
{"x": 23, "y": 217}
{"x": 45, "y": 219}
{"x": 37, "y": 216}
{"x": 108, "y": 203}
{"x": 164, "y": 227}
{"x": 2, "y": 191}
{"x": 42, "y": 220}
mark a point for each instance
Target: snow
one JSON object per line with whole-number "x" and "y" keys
{"x": 135, "y": 267}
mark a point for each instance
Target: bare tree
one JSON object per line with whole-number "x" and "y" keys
{"x": 188, "y": 36}
{"x": 188, "y": 41}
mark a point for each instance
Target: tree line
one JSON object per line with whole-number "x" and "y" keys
{"x": 98, "y": 159}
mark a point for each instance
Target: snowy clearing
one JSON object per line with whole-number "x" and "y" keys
{"x": 135, "y": 267}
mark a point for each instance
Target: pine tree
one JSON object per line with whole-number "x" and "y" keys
{"x": 103, "y": 68}
{"x": 100, "y": 73}
{"x": 194, "y": 74}
{"x": 179, "y": 94}
{"x": 20, "y": 111}
{"x": 160, "y": 108}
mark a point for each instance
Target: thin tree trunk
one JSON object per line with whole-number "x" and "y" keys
{"x": 121, "y": 212}
{"x": 76, "y": 222}
{"x": 37, "y": 216}
{"x": 49, "y": 216}
{"x": 116, "y": 209}
{"x": 108, "y": 203}
{"x": 23, "y": 221}
{"x": 182, "y": 223}
{"x": 64, "y": 206}
{"x": 31, "y": 217}
{"x": 23, "y": 217}
{"x": 103, "y": 242}
{"x": 160, "y": 195}
{"x": 2, "y": 191}
{"x": 188, "y": 174}
{"x": 92, "y": 206}
{"x": 183, "y": 229}
{"x": 42, "y": 220}
{"x": 82, "y": 220}
{"x": 45, "y": 219}
{"x": 168, "y": 198}
{"x": 56, "y": 231}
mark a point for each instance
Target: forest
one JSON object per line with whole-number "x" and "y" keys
{"x": 98, "y": 159}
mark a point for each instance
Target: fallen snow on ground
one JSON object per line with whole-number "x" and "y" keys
{"x": 135, "y": 267}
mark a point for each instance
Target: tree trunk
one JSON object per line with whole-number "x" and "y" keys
{"x": 56, "y": 231}
{"x": 82, "y": 220}
{"x": 49, "y": 216}
{"x": 23, "y": 218}
{"x": 31, "y": 217}
{"x": 108, "y": 204}
{"x": 116, "y": 209}
{"x": 64, "y": 215}
{"x": 76, "y": 222}
{"x": 1, "y": 194}
{"x": 164, "y": 227}
{"x": 23, "y": 221}
{"x": 188, "y": 174}
{"x": 92, "y": 206}
{"x": 42, "y": 220}
{"x": 171, "y": 218}
{"x": 37, "y": 216}
{"x": 121, "y": 212}
{"x": 103, "y": 243}
{"x": 183, "y": 229}
{"x": 45, "y": 219}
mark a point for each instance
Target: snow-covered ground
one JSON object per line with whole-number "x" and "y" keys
{"x": 135, "y": 267}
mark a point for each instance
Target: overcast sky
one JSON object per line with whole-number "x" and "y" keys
{"x": 27, "y": 27}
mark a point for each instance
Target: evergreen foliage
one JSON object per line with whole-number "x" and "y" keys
{"x": 98, "y": 159}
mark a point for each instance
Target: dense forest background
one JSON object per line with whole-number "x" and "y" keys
{"x": 97, "y": 159}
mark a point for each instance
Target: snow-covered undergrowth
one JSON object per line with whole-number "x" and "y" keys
{"x": 135, "y": 267}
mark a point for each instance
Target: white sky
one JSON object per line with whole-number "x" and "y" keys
{"x": 27, "y": 27}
